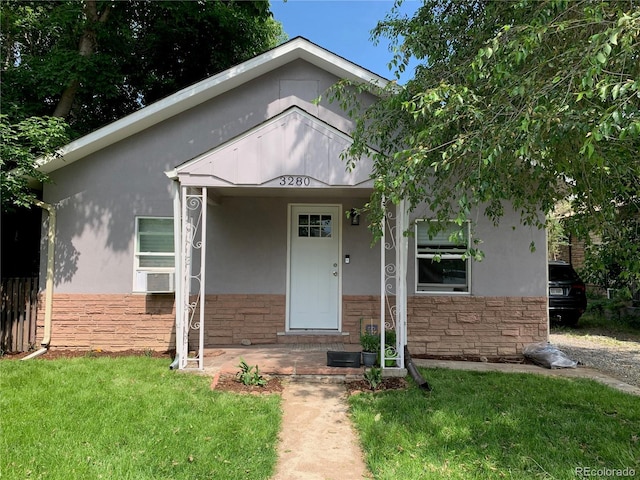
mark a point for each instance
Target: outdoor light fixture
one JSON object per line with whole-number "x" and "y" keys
{"x": 355, "y": 217}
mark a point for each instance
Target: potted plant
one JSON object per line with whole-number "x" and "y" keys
{"x": 370, "y": 346}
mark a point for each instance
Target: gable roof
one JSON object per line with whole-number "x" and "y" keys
{"x": 277, "y": 148}
{"x": 189, "y": 97}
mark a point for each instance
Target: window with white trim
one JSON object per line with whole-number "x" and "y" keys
{"x": 441, "y": 263}
{"x": 154, "y": 255}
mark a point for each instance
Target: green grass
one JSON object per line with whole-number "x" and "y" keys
{"x": 497, "y": 426}
{"x": 608, "y": 325}
{"x": 597, "y": 324}
{"x": 129, "y": 418}
{"x": 608, "y": 317}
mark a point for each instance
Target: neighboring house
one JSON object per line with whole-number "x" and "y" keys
{"x": 573, "y": 252}
{"x": 228, "y": 200}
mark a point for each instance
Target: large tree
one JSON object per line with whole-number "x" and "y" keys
{"x": 91, "y": 62}
{"x": 524, "y": 103}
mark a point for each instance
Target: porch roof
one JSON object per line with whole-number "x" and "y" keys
{"x": 293, "y": 150}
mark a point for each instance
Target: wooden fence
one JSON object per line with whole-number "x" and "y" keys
{"x": 18, "y": 314}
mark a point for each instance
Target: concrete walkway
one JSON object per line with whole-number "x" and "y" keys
{"x": 317, "y": 439}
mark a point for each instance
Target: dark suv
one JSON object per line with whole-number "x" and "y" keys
{"x": 567, "y": 296}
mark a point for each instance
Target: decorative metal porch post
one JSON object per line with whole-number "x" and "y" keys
{"x": 194, "y": 239}
{"x": 393, "y": 283}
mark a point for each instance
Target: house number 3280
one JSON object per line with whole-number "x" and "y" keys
{"x": 295, "y": 181}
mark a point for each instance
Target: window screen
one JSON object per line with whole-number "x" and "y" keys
{"x": 441, "y": 264}
{"x": 154, "y": 243}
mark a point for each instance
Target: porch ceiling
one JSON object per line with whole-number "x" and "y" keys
{"x": 217, "y": 193}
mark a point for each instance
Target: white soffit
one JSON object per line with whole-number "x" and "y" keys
{"x": 298, "y": 48}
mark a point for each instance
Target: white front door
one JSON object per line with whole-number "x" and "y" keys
{"x": 314, "y": 267}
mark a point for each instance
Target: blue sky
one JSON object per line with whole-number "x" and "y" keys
{"x": 342, "y": 27}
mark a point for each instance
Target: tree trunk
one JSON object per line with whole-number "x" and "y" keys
{"x": 86, "y": 48}
{"x": 9, "y": 56}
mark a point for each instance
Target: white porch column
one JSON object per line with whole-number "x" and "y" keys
{"x": 177, "y": 248}
{"x": 402, "y": 243}
{"x": 383, "y": 283}
{"x": 192, "y": 281}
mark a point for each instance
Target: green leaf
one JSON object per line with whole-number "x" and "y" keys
{"x": 515, "y": 127}
{"x": 615, "y": 91}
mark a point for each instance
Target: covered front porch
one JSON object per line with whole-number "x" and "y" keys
{"x": 208, "y": 313}
{"x": 266, "y": 253}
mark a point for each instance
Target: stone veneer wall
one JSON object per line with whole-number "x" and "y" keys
{"x": 444, "y": 326}
{"x": 470, "y": 326}
{"x": 111, "y": 322}
{"x": 229, "y": 319}
{"x": 356, "y": 307}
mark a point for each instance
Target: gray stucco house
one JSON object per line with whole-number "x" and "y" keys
{"x": 217, "y": 215}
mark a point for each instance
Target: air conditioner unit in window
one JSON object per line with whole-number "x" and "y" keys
{"x": 155, "y": 282}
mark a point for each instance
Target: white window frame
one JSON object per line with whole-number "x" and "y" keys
{"x": 138, "y": 254}
{"x": 455, "y": 253}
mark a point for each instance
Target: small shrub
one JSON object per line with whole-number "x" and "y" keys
{"x": 250, "y": 375}
{"x": 373, "y": 377}
{"x": 597, "y": 305}
{"x": 632, "y": 321}
{"x": 611, "y": 315}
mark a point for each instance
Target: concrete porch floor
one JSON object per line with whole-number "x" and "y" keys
{"x": 297, "y": 361}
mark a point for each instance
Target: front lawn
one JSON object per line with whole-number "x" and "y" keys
{"x": 495, "y": 425}
{"x": 129, "y": 418}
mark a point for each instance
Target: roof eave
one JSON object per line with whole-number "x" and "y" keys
{"x": 205, "y": 90}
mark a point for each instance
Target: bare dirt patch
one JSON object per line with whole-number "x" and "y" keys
{"x": 390, "y": 383}
{"x": 55, "y": 354}
{"x": 229, "y": 383}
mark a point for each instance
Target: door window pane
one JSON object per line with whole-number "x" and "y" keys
{"x": 315, "y": 226}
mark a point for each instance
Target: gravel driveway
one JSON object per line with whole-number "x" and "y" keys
{"x": 619, "y": 358}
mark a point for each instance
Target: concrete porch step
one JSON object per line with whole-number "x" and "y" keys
{"x": 297, "y": 362}
{"x": 314, "y": 337}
